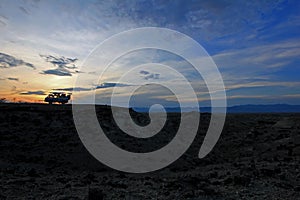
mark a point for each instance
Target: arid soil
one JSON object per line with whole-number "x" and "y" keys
{"x": 42, "y": 157}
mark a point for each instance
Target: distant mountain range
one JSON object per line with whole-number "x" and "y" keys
{"x": 274, "y": 108}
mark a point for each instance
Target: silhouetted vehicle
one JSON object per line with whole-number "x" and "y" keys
{"x": 58, "y": 97}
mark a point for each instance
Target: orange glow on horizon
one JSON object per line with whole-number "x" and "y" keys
{"x": 25, "y": 98}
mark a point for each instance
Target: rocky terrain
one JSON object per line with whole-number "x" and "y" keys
{"x": 42, "y": 157}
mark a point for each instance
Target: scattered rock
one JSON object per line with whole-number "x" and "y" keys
{"x": 256, "y": 157}
{"x": 241, "y": 180}
{"x": 32, "y": 173}
{"x": 95, "y": 194}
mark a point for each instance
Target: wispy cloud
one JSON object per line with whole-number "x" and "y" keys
{"x": 247, "y": 40}
{"x": 7, "y": 61}
{"x": 65, "y": 66}
{"x": 37, "y": 92}
{"x": 110, "y": 85}
{"x": 13, "y": 79}
{"x": 75, "y": 89}
{"x": 24, "y": 10}
{"x": 147, "y": 75}
{"x": 60, "y": 61}
{"x": 262, "y": 57}
{"x": 2, "y": 23}
{"x": 253, "y": 84}
{"x": 95, "y": 87}
{"x": 143, "y": 72}
{"x": 57, "y": 72}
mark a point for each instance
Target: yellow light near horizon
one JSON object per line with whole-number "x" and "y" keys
{"x": 24, "y": 98}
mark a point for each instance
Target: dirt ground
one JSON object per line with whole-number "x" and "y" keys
{"x": 42, "y": 157}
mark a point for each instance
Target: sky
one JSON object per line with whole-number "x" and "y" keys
{"x": 45, "y": 45}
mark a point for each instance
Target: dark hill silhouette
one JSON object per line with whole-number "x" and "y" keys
{"x": 250, "y": 108}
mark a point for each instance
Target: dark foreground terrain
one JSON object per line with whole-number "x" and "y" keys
{"x": 42, "y": 157}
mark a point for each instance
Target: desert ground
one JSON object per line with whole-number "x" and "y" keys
{"x": 42, "y": 157}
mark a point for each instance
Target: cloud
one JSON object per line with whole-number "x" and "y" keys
{"x": 38, "y": 92}
{"x": 242, "y": 36}
{"x": 13, "y": 79}
{"x": 262, "y": 56}
{"x": 101, "y": 86}
{"x": 7, "y": 61}
{"x": 79, "y": 72}
{"x": 275, "y": 62}
{"x": 57, "y": 72}
{"x": 75, "y": 89}
{"x": 147, "y": 75}
{"x": 144, "y": 72}
{"x": 3, "y": 20}
{"x": 152, "y": 76}
{"x": 111, "y": 85}
{"x": 60, "y": 61}
{"x": 24, "y": 10}
{"x": 10, "y": 79}
{"x": 65, "y": 66}
{"x": 2, "y": 23}
{"x": 255, "y": 84}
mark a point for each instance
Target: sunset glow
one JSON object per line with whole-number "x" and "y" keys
{"x": 43, "y": 45}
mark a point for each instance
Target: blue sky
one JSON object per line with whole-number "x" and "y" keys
{"x": 255, "y": 44}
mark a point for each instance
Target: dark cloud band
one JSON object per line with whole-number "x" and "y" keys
{"x": 8, "y": 61}
{"x": 38, "y": 92}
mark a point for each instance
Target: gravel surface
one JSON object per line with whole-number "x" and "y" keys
{"x": 42, "y": 157}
